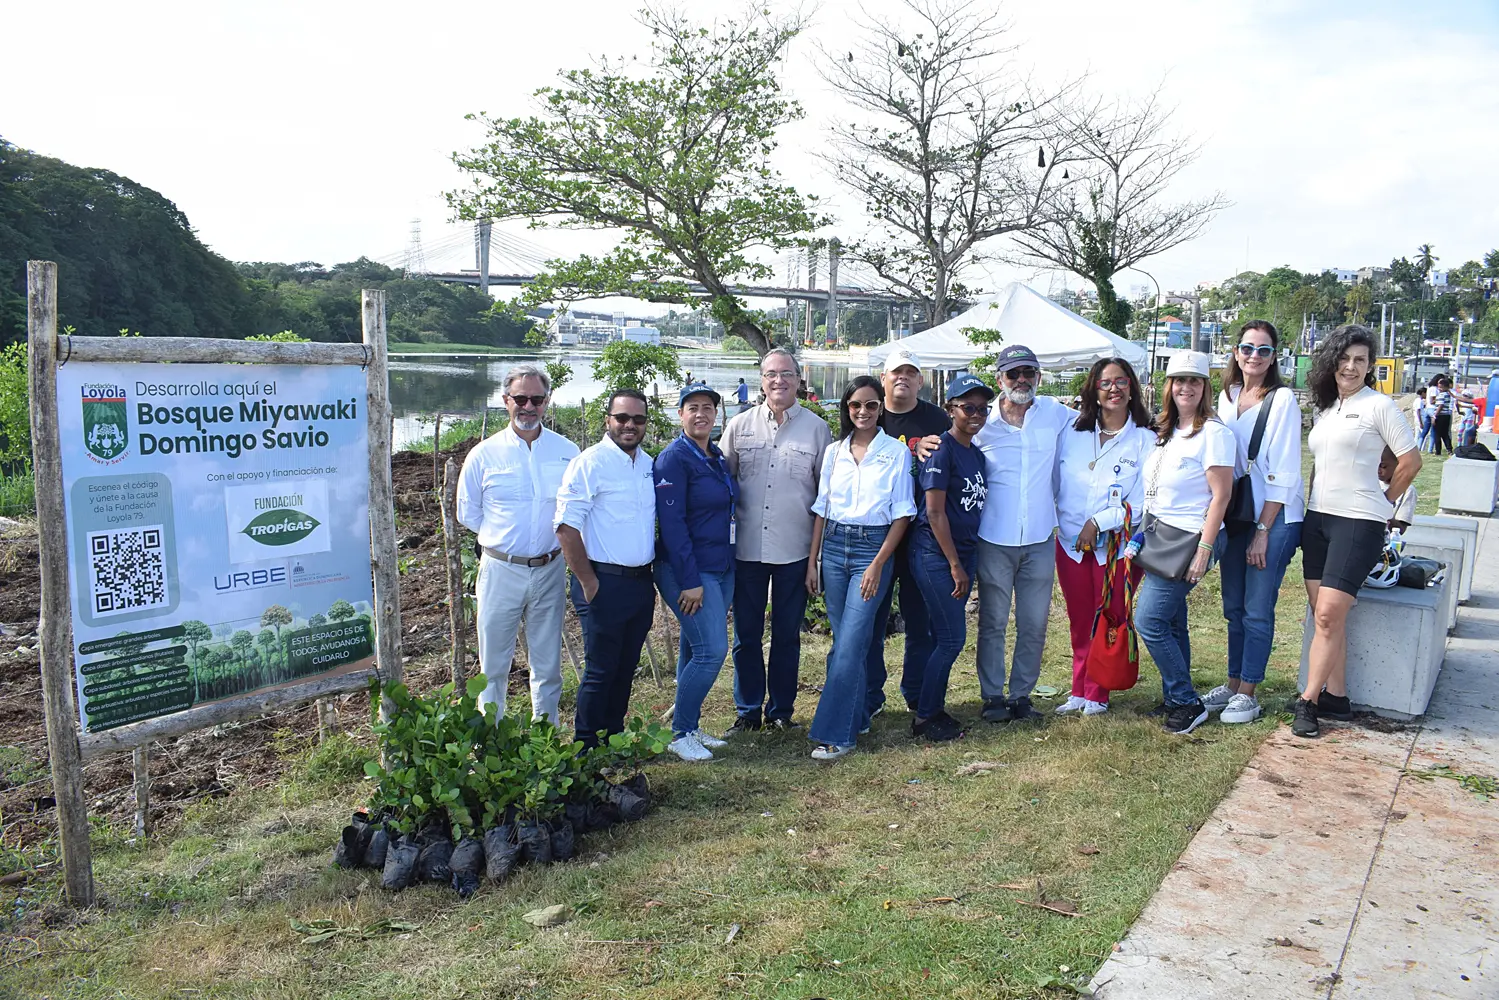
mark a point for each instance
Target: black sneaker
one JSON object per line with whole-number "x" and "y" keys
{"x": 940, "y": 727}
{"x": 1334, "y": 706}
{"x": 743, "y": 724}
{"x": 996, "y": 710}
{"x": 1305, "y": 723}
{"x": 910, "y": 706}
{"x": 783, "y": 725}
{"x": 1021, "y": 711}
{"x": 1155, "y": 713}
{"x": 1182, "y": 719}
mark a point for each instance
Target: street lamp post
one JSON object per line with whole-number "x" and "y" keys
{"x": 1154, "y": 322}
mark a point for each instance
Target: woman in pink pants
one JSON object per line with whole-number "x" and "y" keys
{"x": 1099, "y": 461}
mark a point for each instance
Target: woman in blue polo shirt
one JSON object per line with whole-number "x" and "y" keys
{"x": 944, "y": 547}
{"x": 695, "y": 560}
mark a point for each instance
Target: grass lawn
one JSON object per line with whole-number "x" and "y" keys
{"x": 889, "y": 874}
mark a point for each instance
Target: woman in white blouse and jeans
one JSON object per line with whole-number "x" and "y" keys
{"x": 1254, "y": 563}
{"x": 865, "y": 499}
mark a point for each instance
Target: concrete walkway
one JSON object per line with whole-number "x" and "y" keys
{"x": 1345, "y": 867}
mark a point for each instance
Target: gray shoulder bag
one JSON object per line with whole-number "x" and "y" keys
{"x": 1166, "y": 552}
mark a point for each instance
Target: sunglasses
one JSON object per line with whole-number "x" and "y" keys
{"x": 1257, "y": 350}
{"x": 638, "y": 419}
{"x": 972, "y": 409}
{"x": 1015, "y": 374}
{"x": 867, "y": 406}
{"x": 526, "y": 400}
{"x": 1108, "y": 384}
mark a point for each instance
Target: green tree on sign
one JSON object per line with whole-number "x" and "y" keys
{"x": 266, "y": 640}
{"x": 677, "y": 158}
{"x": 341, "y": 610}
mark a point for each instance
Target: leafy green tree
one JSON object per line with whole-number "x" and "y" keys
{"x": 276, "y": 617}
{"x": 560, "y": 373}
{"x": 266, "y": 640}
{"x": 1360, "y": 296}
{"x": 241, "y": 642}
{"x": 316, "y": 621}
{"x": 15, "y": 410}
{"x": 341, "y": 610}
{"x": 624, "y": 364}
{"x": 1426, "y": 259}
{"x": 677, "y": 158}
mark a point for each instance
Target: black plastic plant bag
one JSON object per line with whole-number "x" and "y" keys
{"x": 564, "y": 842}
{"x": 433, "y": 863}
{"x": 467, "y": 865}
{"x": 374, "y": 854}
{"x": 354, "y": 841}
{"x": 631, "y": 804}
{"x": 400, "y": 864}
{"x": 501, "y": 851}
{"x": 535, "y": 842}
{"x": 576, "y": 813}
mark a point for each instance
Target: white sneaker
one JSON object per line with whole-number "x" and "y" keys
{"x": 1072, "y": 704}
{"x": 827, "y": 751}
{"x": 1241, "y": 708}
{"x": 1217, "y": 698}
{"x": 1095, "y": 707}
{"x": 688, "y": 748}
{"x": 711, "y": 742}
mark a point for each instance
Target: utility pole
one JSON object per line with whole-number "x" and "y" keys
{"x": 1388, "y": 347}
{"x": 1200, "y": 343}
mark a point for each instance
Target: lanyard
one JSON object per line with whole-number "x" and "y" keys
{"x": 719, "y": 466}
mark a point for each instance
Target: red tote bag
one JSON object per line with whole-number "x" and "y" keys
{"x": 1114, "y": 655}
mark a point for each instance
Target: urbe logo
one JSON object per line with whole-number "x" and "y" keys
{"x": 281, "y": 527}
{"x": 106, "y": 425}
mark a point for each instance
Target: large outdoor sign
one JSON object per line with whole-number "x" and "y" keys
{"x": 217, "y": 528}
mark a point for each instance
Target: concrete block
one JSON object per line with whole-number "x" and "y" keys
{"x": 1470, "y": 486}
{"x": 1397, "y": 639}
{"x": 1448, "y": 551}
{"x": 1437, "y": 529}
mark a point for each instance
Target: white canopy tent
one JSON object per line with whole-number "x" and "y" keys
{"x": 1060, "y": 337}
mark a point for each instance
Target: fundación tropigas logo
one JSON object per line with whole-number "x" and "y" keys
{"x": 277, "y": 520}
{"x": 281, "y": 526}
{"x": 106, "y": 421}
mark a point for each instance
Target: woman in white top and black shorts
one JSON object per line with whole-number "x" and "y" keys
{"x": 1254, "y": 563}
{"x": 1347, "y": 512}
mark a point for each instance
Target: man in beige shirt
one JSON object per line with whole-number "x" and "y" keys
{"x": 774, "y": 451}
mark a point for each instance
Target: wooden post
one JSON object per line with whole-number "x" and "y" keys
{"x": 572, "y": 654}
{"x": 436, "y": 450}
{"x": 140, "y": 764}
{"x": 452, "y": 544}
{"x": 56, "y": 628}
{"x": 387, "y": 618}
{"x": 484, "y": 424}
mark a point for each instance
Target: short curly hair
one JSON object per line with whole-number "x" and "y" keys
{"x": 1322, "y": 380}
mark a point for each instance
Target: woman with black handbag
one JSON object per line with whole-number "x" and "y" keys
{"x": 1264, "y": 514}
{"x": 1189, "y": 476}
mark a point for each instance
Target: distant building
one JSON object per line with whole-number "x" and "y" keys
{"x": 1437, "y": 279}
{"x": 1346, "y": 275}
{"x": 1370, "y": 274}
{"x": 640, "y": 334}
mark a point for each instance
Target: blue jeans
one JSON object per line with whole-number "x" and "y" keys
{"x": 1161, "y": 622}
{"x": 705, "y": 641}
{"x": 847, "y": 551}
{"x": 1249, "y": 596}
{"x": 615, "y": 627}
{"x": 784, "y": 587}
{"x": 947, "y": 615}
{"x": 1424, "y": 444}
{"x": 918, "y": 633}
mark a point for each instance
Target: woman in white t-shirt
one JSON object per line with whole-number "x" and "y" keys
{"x": 1257, "y": 553}
{"x": 1348, "y": 509}
{"x": 1189, "y": 477}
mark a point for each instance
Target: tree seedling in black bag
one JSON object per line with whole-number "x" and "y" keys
{"x": 467, "y": 865}
{"x": 400, "y": 864}
{"x": 354, "y": 841}
{"x": 432, "y": 864}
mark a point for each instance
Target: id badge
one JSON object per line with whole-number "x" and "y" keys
{"x": 1116, "y": 496}
{"x": 733, "y": 530}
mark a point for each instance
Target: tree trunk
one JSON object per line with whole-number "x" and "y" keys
{"x": 757, "y": 338}
{"x": 1113, "y": 315}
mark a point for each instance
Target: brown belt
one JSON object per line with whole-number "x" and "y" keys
{"x": 531, "y": 563}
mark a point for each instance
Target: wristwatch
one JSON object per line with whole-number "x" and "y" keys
{"x": 1261, "y": 527}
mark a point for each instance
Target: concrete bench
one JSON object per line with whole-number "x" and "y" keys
{"x": 1443, "y": 529}
{"x": 1449, "y": 552}
{"x": 1397, "y": 639}
{"x": 1470, "y": 486}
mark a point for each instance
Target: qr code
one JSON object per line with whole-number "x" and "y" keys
{"x": 127, "y": 570}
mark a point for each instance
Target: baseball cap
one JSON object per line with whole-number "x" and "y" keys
{"x": 697, "y": 389}
{"x": 1192, "y": 363}
{"x": 965, "y": 383}
{"x": 900, "y": 356}
{"x": 1015, "y": 356}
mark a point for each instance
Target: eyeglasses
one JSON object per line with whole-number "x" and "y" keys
{"x": 526, "y": 400}
{"x": 1107, "y": 384}
{"x": 972, "y": 409}
{"x": 868, "y": 405}
{"x": 1015, "y": 374}
{"x": 638, "y": 419}
{"x": 779, "y": 376}
{"x": 1258, "y": 350}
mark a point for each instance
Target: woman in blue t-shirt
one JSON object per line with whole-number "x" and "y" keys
{"x": 944, "y": 546}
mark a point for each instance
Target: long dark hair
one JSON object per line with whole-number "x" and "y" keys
{"x": 1323, "y": 378}
{"x": 1170, "y": 416}
{"x": 1232, "y": 375}
{"x": 845, "y": 425}
{"x": 1087, "y": 419}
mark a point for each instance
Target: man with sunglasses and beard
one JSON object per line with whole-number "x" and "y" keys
{"x": 507, "y": 495}
{"x": 606, "y": 525}
{"x": 1016, "y": 554}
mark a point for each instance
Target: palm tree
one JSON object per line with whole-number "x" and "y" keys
{"x": 1425, "y": 259}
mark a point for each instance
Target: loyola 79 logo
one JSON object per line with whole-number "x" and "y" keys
{"x": 106, "y": 423}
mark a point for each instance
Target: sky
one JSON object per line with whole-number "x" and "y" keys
{"x": 1343, "y": 135}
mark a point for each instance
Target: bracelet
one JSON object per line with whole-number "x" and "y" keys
{"x": 1205, "y": 546}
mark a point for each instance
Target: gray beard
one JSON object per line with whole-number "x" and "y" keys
{"x": 1020, "y": 397}
{"x": 527, "y": 425}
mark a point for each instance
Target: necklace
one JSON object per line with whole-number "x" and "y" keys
{"x": 1113, "y": 437}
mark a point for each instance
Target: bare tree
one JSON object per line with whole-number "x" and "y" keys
{"x": 1114, "y": 215}
{"x": 956, "y": 147}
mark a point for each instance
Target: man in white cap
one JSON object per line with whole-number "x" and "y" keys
{"x": 908, "y": 418}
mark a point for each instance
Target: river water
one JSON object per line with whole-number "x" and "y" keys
{"x": 462, "y": 385}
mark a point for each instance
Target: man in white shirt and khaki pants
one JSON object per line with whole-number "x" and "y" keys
{"x": 507, "y": 495}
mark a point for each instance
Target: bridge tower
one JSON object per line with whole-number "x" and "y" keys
{"x": 416, "y": 260}
{"x": 832, "y": 327}
{"x": 481, "y": 249}
{"x": 811, "y": 286}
